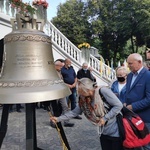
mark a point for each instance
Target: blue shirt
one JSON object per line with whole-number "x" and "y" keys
{"x": 68, "y": 74}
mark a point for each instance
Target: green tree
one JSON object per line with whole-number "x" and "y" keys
{"x": 72, "y": 21}
{"x": 135, "y": 18}
{"x": 116, "y": 27}
{"x": 110, "y": 33}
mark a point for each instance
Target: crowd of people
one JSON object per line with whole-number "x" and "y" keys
{"x": 66, "y": 72}
{"x": 131, "y": 89}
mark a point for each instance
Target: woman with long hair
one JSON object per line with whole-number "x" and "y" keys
{"x": 100, "y": 113}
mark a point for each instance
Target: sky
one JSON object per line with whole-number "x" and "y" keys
{"x": 52, "y": 7}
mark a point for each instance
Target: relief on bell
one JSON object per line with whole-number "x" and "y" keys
{"x": 28, "y": 73}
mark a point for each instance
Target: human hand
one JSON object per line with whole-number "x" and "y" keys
{"x": 124, "y": 104}
{"x": 54, "y": 119}
{"x": 73, "y": 85}
{"x": 101, "y": 122}
{"x": 70, "y": 86}
{"x": 129, "y": 107}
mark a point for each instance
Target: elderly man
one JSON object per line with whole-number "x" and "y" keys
{"x": 85, "y": 73}
{"x": 62, "y": 101}
{"x": 70, "y": 78}
{"x": 138, "y": 89}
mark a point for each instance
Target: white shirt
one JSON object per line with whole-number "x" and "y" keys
{"x": 120, "y": 86}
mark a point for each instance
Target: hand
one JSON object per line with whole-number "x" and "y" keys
{"x": 129, "y": 107}
{"x": 102, "y": 122}
{"x": 124, "y": 104}
{"x": 73, "y": 85}
{"x": 70, "y": 86}
{"x": 54, "y": 119}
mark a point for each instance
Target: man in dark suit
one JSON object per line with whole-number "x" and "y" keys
{"x": 85, "y": 73}
{"x": 138, "y": 89}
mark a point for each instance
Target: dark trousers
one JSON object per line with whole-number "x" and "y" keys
{"x": 110, "y": 143}
{"x": 72, "y": 98}
{"x": 56, "y": 108}
{"x": 18, "y": 106}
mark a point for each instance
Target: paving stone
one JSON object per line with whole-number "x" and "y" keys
{"x": 83, "y": 136}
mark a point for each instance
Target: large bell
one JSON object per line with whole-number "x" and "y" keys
{"x": 28, "y": 74}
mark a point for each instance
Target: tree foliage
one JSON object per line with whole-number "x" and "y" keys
{"x": 72, "y": 21}
{"x": 116, "y": 27}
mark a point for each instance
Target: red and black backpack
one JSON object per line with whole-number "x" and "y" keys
{"x": 136, "y": 132}
{"x": 133, "y": 131}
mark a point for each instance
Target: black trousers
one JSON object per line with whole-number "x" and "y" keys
{"x": 18, "y": 106}
{"x": 111, "y": 143}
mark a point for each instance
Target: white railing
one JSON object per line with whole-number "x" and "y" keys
{"x": 70, "y": 49}
{"x": 6, "y": 8}
{"x": 102, "y": 69}
{"x": 65, "y": 46}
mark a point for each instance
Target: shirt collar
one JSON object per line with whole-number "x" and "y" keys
{"x": 136, "y": 73}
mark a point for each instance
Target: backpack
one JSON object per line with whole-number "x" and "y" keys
{"x": 133, "y": 131}
{"x": 136, "y": 132}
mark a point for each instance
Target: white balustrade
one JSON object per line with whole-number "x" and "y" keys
{"x": 6, "y": 8}
{"x": 75, "y": 53}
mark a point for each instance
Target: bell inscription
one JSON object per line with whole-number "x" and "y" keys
{"x": 26, "y": 61}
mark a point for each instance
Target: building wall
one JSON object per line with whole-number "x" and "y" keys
{"x": 5, "y": 26}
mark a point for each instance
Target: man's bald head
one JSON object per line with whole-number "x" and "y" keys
{"x": 58, "y": 65}
{"x": 135, "y": 62}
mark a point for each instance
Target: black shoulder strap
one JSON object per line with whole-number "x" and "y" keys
{"x": 104, "y": 100}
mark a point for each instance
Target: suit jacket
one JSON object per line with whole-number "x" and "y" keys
{"x": 139, "y": 94}
{"x": 115, "y": 89}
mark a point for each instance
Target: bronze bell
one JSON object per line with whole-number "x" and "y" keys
{"x": 28, "y": 74}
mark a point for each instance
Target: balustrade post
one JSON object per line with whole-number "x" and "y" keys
{"x": 7, "y": 6}
{"x": 13, "y": 11}
{"x": 1, "y": 6}
{"x": 85, "y": 55}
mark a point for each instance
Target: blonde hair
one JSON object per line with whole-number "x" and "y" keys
{"x": 124, "y": 69}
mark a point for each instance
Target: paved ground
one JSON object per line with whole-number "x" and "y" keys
{"x": 83, "y": 136}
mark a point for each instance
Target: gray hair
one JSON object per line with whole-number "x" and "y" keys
{"x": 86, "y": 84}
{"x": 136, "y": 56}
{"x": 85, "y": 64}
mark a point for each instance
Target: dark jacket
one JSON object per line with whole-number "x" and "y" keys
{"x": 85, "y": 74}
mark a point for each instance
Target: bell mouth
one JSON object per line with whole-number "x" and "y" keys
{"x": 33, "y": 94}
